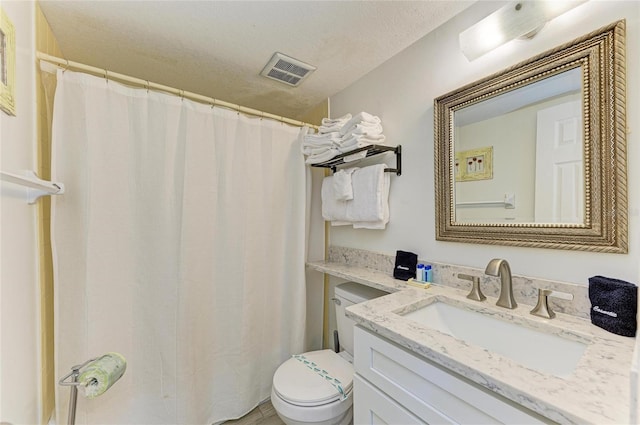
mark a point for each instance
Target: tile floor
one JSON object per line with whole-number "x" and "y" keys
{"x": 264, "y": 414}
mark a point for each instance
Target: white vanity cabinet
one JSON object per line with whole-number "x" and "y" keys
{"x": 395, "y": 386}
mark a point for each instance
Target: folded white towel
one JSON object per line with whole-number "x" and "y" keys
{"x": 332, "y": 209}
{"x": 332, "y": 121}
{"x": 333, "y": 136}
{"x": 318, "y": 150}
{"x": 356, "y": 156}
{"x": 315, "y": 149}
{"x": 361, "y": 128}
{"x": 322, "y": 157}
{"x": 351, "y": 145}
{"x": 329, "y": 128}
{"x": 355, "y": 142}
{"x": 342, "y": 188}
{"x": 360, "y": 118}
{"x": 368, "y": 204}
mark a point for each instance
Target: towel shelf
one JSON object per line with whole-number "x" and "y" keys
{"x": 372, "y": 150}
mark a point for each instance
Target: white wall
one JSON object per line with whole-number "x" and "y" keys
{"x": 401, "y": 92}
{"x": 19, "y": 312}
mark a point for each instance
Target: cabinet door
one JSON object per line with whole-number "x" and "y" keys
{"x": 430, "y": 391}
{"x": 371, "y": 406}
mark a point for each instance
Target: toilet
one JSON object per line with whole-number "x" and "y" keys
{"x": 315, "y": 387}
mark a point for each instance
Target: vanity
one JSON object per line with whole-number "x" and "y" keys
{"x": 432, "y": 355}
{"x": 410, "y": 368}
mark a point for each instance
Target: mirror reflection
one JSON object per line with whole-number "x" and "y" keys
{"x": 519, "y": 155}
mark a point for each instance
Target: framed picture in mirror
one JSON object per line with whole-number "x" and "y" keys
{"x": 474, "y": 164}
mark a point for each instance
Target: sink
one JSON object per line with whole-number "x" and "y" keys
{"x": 544, "y": 352}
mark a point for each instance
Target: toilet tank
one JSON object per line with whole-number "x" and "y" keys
{"x": 347, "y": 294}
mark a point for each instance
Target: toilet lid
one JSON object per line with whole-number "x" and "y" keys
{"x": 313, "y": 378}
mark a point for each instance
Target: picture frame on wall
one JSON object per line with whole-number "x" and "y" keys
{"x": 7, "y": 65}
{"x": 474, "y": 164}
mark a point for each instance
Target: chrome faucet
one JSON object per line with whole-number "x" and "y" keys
{"x": 500, "y": 267}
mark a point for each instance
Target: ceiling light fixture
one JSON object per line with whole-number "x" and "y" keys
{"x": 519, "y": 19}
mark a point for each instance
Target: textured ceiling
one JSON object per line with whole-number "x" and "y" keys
{"x": 218, "y": 48}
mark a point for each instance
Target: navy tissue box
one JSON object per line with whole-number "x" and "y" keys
{"x": 614, "y": 304}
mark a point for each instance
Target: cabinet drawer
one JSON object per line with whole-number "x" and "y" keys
{"x": 371, "y": 406}
{"x": 426, "y": 389}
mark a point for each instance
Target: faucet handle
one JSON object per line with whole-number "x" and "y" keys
{"x": 475, "y": 294}
{"x": 542, "y": 307}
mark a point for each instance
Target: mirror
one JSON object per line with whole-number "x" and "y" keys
{"x": 536, "y": 155}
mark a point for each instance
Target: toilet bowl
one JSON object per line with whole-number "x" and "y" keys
{"x": 316, "y": 387}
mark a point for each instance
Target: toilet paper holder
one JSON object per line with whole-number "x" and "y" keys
{"x": 73, "y": 396}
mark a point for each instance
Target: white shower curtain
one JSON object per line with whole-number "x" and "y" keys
{"x": 180, "y": 244}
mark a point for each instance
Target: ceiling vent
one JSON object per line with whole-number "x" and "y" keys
{"x": 287, "y": 70}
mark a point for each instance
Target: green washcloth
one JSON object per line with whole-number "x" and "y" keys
{"x": 102, "y": 373}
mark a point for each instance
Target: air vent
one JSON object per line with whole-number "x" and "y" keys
{"x": 287, "y": 70}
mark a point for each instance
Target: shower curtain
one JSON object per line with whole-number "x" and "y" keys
{"x": 179, "y": 243}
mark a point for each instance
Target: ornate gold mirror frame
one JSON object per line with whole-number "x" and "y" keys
{"x": 601, "y": 57}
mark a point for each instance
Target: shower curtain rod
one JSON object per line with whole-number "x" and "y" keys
{"x": 66, "y": 64}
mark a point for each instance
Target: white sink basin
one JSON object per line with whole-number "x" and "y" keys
{"x": 534, "y": 349}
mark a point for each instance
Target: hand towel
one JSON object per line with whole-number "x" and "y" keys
{"x": 382, "y": 224}
{"x": 332, "y": 209}
{"x": 368, "y": 195}
{"x": 342, "y": 186}
{"x": 613, "y": 305}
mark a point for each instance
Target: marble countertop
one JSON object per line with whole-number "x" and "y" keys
{"x": 597, "y": 392}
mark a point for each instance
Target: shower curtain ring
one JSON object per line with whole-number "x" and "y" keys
{"x": 66, "y": 67}
{"x": 213, "y": 102}
{"x": 182, "y": 95}
{"x": 147, "y": 86}
{"x": 106, "y": 76}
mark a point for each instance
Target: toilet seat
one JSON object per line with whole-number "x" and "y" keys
{"x": 309, "y": 383}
